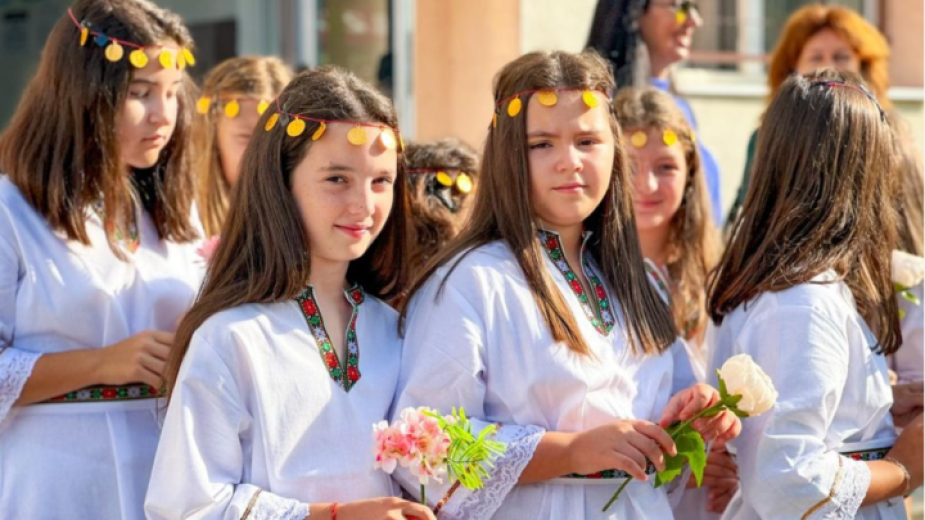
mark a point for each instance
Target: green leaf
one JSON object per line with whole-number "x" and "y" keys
{"x": 723, "y": 393}
{"x": 907, "y": 294}
{"x": 732, "y": 401}
{"x": 691, "y": 450}
{"x": 739, "y": 413}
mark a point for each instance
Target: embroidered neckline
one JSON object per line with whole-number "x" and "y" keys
{"x": 553, "y": 246}
{"x": 346, "y": 376}
{"x": 133, "y": 241}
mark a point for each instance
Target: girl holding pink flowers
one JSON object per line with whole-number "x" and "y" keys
{"x": 540, "y": 319}
{"x": 289, "y": 355}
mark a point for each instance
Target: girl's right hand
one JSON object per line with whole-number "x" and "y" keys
{"x": 384, "y": 508}
{"x": 623, "y": 445}
{"x": 140, "y": 358}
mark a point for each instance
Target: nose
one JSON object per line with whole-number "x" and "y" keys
{"x": 694, "y": 19}
{"x": 644, "y": 180}
{"x": 568, "y": 160}
{"x": 364, "y": 199}
{"x": 162, "y": 110}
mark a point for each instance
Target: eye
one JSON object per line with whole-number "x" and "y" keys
{"x": 336, "y": 179}
{"x": 383, "y": 180}
{"x": 139, "y": 93}
{"x": 540, "y": 145}
{"x": 588, "y": 142}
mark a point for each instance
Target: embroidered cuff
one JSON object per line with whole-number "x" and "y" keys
{"x": 257, "y": 504}
{"x": 15, "y": 368}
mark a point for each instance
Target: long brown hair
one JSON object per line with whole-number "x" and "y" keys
{"x": 503, "y": 210}
{"x": 821, "y": 198}
{"x": 868, "y": 43}
{"x": 264, "y": 254}
{"x": 910, "y": 201}
{"x": 61, "y": 149}
{"x": 433, "y": 222}
{"x": 693, "y": 244}
{"x": 257, "y": 76}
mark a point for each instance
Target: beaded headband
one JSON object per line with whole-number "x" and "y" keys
{"x": 295, "y": 125}
{"x": 547, "y": 97}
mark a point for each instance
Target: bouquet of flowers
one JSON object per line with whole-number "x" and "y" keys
{"x": 744, "y": 389}
{"x": 431, "y": 446}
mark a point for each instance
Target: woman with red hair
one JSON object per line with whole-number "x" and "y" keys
{"x": 819, "y": 36}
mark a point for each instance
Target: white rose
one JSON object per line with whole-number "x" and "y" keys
{"x": 908, "y": 270}
{"x": 743, "y": 377}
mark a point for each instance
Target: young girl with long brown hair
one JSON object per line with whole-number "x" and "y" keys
{"x": 234, "y": 95}
{"x": 804, "y": 288}
{"x": 97, "y": 259}
{"x": 679, "y": 241}
{"x": 289, "y": 356}
{"x": 540, "y": 316}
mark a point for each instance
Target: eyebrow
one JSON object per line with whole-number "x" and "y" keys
{"x": 149, "y": 82}
{"x": 544, "y": 133}
{"x": 336, "y": 168}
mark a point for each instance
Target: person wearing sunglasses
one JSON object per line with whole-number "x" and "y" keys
{"x": 643, "y": 40}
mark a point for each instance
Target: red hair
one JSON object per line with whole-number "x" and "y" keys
{"x": 867, "y": 42}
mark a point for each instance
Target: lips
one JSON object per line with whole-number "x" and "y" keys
{"x": 572, "y": 187}
{"x": 647, "y": 204}
{"x": 353, "y": 230}
{"x": 155, "y": 140}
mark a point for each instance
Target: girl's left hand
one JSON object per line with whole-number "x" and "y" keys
{"x": 719, "y": 429}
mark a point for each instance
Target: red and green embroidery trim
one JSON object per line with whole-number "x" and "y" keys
{"x": 553, "y": 248}
{"x": 133, "y": 240}
{"x": 868, "y": 455}
{"x": 345, "y": 376}
{"x": 657, "y": 277}
{"x": 610, "y": 474}
{"x": 93, "y": 394}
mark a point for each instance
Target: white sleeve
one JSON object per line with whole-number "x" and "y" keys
{"x": 15, "y": 364}
{"x": 442, "y": 368}
{"x": 909, "y": 360}
{"x": 785, "y": 469}
{"x": 199, "y": 466}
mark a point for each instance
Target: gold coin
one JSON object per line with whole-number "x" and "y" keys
{"x": 547, "y": 98}
{"x": 114, "y": 52}
{"x": 271, "y": 122}
{"x": 639, "y": 139}
{"x": 263, "y": 106}
{"x": 444, "y": 179}
{"x": 514, "y": 107}
{"x": 356, "y": 135}
{"x": 202, "y": 106}
{"x": 295, "y": 127}
{"x": 232, "y": 108}
{"x": 669, "y": 138}
{"x": 138, "y": 58}
{"x": 319, "y": 131}
{"x": 188, "y": 57}
{"x": 589, "y": 98}
{"x": 387, "y": 138}
{"x": 165, "y": 58}
{"x": 84, "y": 34}
{"x": 463, "y": 183}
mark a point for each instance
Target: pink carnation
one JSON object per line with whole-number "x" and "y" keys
{"x": 415, "y": 441}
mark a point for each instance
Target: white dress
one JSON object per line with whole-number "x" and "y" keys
{"x": 257, "y": 423}
{"x": 482, "y": 344}
{"x": 82, "y": 460}
{"x": 834, "y": 398}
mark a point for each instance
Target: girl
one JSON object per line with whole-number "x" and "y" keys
{"x": 289, "y": 356}
{"x": 97, "y": 260}
{"x": 442, "y": 176}
{"x": 805, "y": 289}
{"x": 670, "y": 201}
{"x": 234, "y": 96}
{"x": 677, "y": 235}
{"x": 572, "y": 363}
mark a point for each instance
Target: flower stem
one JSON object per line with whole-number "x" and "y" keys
{"x": 706, "y": 412}
{"x": 423, "y": 496}
{"x": 617, "y": 494}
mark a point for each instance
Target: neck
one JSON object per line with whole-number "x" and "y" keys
{"x": 654, "y": 244}
{"x": 328, "y": 277}
{"x": 660, "y": 68}
{"x": 569, "y": 236}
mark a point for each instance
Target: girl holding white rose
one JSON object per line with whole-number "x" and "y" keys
{"x": 804, "y": 288}
{"x": 540, "y": 317}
